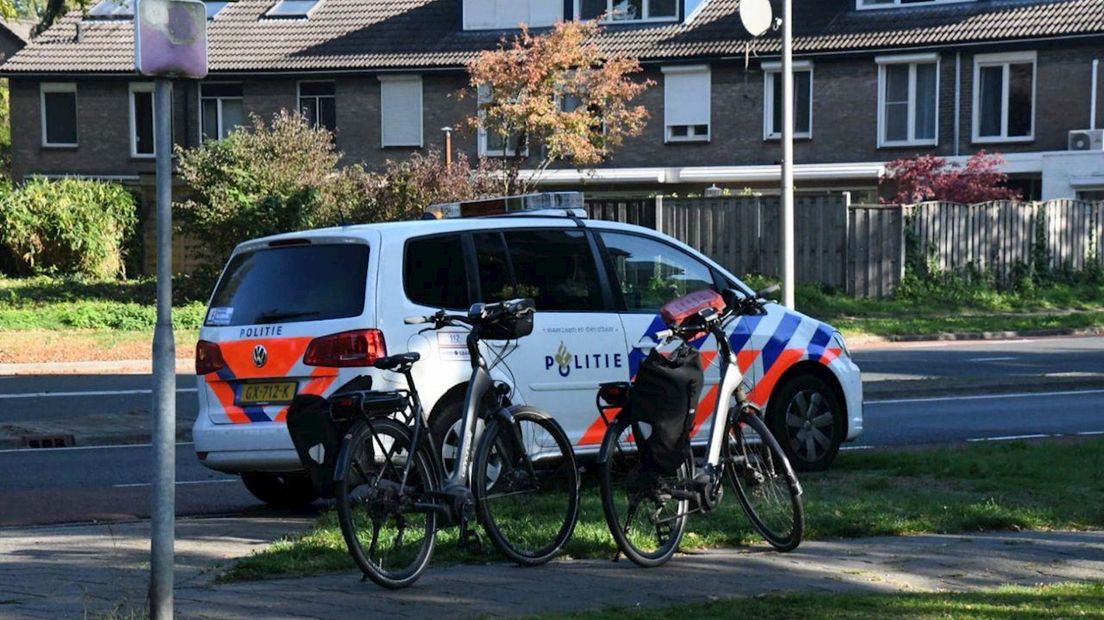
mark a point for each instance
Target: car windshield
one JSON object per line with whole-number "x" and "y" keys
{"x": 291, "y": 284}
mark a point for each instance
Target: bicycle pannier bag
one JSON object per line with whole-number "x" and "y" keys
{"x": 665, "y": 395}
{"x": 317, "y": 438}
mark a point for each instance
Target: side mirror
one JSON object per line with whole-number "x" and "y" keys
{"x": 770, "y": 290}
{"x": 731, "y": 297}
{"x": 477, "y": 311}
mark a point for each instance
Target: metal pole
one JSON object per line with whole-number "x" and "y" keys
{"x": 164, "y": 374}
{"x": 787, "y": 155}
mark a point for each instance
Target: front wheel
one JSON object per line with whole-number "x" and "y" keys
{"x": 526, "y": 486}
{"x": 764, "y": 481}
{"x": 644, "y": 510}
{"x": 389, "y": 535}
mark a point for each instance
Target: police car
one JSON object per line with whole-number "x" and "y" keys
{"x": 305, "y": 313}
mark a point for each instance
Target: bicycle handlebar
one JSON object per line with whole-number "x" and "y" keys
{"x": 479, "y": 314}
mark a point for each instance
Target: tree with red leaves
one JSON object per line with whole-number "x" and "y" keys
{"x": 928, "y": 177}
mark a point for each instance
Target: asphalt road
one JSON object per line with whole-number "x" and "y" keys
{"x": 57, "y": 397}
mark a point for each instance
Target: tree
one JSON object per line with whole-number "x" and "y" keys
{"x": 557, "y": 91}
{"x": 929, "y": 177}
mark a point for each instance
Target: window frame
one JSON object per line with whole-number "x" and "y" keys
{"x": 142, "y": 87}
{"x": 484, "y": 95}
{"x": 317, "y": 107}
{"x": 912, "y": 60}
{"x": 58, "y": 87}
{"x": 577, "y": 12}
{"x": 860, "y": 5}
{"x": 1005, "y": 60}
{"x": 691, "y": 136}
{"x": 219, "y": 99}
{"x": 772, "y": 71}
{"x": 405, "y": 77}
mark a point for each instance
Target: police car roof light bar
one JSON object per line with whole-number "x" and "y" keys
{"x": 569, "y": 204}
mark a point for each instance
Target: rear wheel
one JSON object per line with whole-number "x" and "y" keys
{"x": 764, "y": 481}
{"x": 389, "y": 536}
{"x": 527, "y": 495}
{"x": 646, "y": 520}
{"x": 281, "y": 490}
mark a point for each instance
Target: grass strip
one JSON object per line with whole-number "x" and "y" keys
{"x": 1067, "y": 600}
{"x": 1012, "y": 486}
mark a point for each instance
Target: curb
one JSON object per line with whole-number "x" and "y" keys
{"x": 184, "y": 366}
{"x": 868, "y": 340}
{"x": 934, "y": 387}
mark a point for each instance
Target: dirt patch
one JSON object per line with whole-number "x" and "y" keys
{"x": 49, "y": 346}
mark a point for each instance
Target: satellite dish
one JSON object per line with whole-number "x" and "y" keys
{"x": 756, "y": 15}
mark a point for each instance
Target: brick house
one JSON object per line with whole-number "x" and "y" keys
{"x": 876, "y": 80}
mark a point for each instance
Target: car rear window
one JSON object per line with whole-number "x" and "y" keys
{"x": 291, "y": 284}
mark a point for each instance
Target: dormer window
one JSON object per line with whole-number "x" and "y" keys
{"x": 113, "y": 9}
{"x": 292, "y": 9}
{"x": 889, "y": 4}
{"x": 627, "y": 10}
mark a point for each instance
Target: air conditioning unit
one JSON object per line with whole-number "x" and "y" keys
{"x": 1086, "y": 140}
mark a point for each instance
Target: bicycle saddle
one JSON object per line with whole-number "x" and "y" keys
{"x": 394, "y": 362}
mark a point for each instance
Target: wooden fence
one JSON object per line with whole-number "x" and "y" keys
{"x": 861, "y": 248}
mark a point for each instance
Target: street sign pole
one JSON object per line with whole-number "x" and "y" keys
{"x": 164, "y": 373}
{"x": 788, "y": 283}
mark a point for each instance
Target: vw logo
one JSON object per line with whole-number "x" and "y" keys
{"x": 260, "y": 356}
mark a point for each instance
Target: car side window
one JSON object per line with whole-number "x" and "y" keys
{"x": 433, "y": 272}
{"x": 495, "y": 275}
{"x": 556, "y": 268}
{"x": 651, "y": 273}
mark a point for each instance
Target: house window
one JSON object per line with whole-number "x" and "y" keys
{"x": 401, "y": 110}
{"x": 59, "y": 114}
{"x": 496, "y": 143}
{"x": 908, "y": 100}
{"x": 888, "y": 4}
{"x": 1004, "y": 97}
{"x": 221, "y": 110}
{"x": 300, "y": 9}
{"x": 317, "y": 103}
{"x": 142, "y": 133}
{"x": 686, "y": 103}
{"x": 627, "y": 10}
{"x": 803, "y": 100}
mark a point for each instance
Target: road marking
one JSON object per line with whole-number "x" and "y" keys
{"x": 992, "y": 359}
{"x": 1090, "y": 433}
{"x": 78, "y": 394}
{"x": 937, "y": 399}
{"x": 136, "y": 485}
{"x": 1013, "y": 437}
{"x": 72, "y": 448}
{"x": 857, "y": 447}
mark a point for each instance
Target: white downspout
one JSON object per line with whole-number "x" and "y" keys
{"x": 1092, "y": 99}
{"x": 958, "y": 101}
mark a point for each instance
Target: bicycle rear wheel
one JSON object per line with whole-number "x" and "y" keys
{"x": 646, "y": 520}
{"x": 764, "y": 481}
{"x": 527, "y": 494}
{"x": 389, "y": 537}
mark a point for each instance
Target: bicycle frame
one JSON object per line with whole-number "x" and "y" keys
{"x": 731, "y": 379}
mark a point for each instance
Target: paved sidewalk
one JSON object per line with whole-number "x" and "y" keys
{"x": 70, "y": 571}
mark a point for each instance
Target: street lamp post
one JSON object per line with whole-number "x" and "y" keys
{"x": 788, "y": 283}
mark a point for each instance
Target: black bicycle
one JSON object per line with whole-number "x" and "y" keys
{"x": 517, "y": 475}
{"x": 646, "y": 502}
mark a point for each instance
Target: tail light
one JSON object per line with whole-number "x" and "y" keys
{"x": 208, "y": 358}
{"x": 356, "y": 348}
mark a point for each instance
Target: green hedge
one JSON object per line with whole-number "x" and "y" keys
{"x": 70, "y": 227}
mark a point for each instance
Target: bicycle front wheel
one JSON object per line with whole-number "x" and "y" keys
{"x": 761, "y": 475}
{"x": 390, "y": 537}
{"x": 526, "y": 486}
{"x": 645, "y": 511}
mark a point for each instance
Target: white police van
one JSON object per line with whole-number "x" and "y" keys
{"x": 305, "y": 313}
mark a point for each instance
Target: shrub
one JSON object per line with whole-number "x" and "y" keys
{"x": 268, "y": 179}
{"x": 71, "y": 226}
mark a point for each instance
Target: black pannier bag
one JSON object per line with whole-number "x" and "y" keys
{"x": 317, "y": 435}
{"x": 665, "y": 395}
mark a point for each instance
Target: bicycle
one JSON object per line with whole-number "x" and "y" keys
{"x": 647, "y": 511}
{"x": 391, "y": 490}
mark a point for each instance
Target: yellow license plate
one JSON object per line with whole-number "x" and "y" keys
{"x": 256, "y": 393}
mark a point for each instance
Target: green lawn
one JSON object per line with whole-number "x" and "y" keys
{"x": 1008, "y": 603}
{"x": 1038, "y": 486}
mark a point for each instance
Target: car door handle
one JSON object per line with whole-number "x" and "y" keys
{"x": 646, "y": 344}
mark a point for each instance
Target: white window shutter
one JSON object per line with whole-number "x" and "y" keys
{"x": 686, "y": 95}
{"x": 479, "y": 14}
{"x": 545, "y": 12}
{"x": 510, "y": 13}
{"x": 401, "y": 110}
